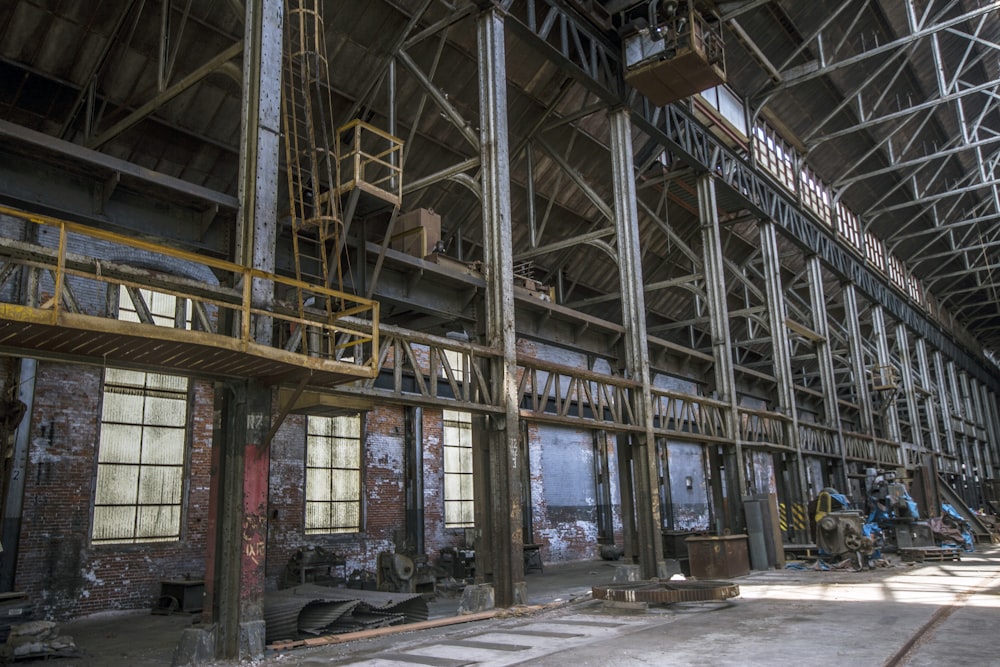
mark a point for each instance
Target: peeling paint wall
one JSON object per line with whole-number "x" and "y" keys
{"x": 567, "y": 528}
{"x": 689, "y": 490}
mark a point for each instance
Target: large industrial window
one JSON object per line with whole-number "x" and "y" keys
{"x": 141, "y": 452}
{"x": 333, "y": 474}
{"x": 458, "y": 509}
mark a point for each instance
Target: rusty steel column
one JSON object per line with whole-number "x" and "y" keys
{"x": 645, "y": 480}
{"x": 235, "y": 567}
{"x": 504, "y": 511}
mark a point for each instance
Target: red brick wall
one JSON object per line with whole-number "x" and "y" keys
{"x": 383, "y": 488}
{"x": 62, "y": 573}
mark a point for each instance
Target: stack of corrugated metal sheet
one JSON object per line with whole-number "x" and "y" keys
{"x": 311, "y": 610}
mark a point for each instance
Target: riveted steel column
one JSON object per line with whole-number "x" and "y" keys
{"x": 642, "y": 444}
{"x": 975, "y": 479}
{"x": 989, "y": 413}
{"x": 965, "y": 461}
{"x": 858, "y": 369}
{"x": 931, "y": 452}
{"x": 913, "y": 451}
{"x": 944, "y": 404}
{"x": 982, "y": 427}
{"x": 722, "y": 344}
{"x": 933, "y": 427}
{"x": 238, "y": 510}
{"x": 782, "y": 356}
{"x": 824, "y": 358}
{"x": 890, "y": 413}
{"x": 504, "y": 515}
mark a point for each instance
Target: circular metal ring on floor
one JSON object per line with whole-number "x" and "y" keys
{"x": 667, "y": 592}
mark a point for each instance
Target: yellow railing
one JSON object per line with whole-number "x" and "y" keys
{"x": 78, "y": 270}
{"x": 372, "y": 163}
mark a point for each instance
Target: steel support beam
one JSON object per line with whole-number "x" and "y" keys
{"x": 858, "y": 367}
{"x": 889, "y": 409}
{"x": 781, "y": 352}
{"x": 170, "y": 93}
{"x": 503, "y": 518}
{"x": 642, "y": 444}
{"x": 824, "y": 359}
{"x": 722, "y": 345}
{"x": 930, "y": 456}
{"x": 944, "y": 403}
{"x": 914, "y": 448}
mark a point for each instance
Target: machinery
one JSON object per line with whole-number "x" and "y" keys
{"x": 840, "y": 532}
{"x": 672, "y": 50}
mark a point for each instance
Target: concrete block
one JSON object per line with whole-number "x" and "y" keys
{"x": 629, "y": 606}
{"x": 252, "y": 635}
{"x": 475, "y": 598}
{"x": 195, "y": 647}
{"x": 627, "y": 573}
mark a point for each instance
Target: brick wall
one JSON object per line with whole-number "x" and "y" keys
{"x": 62, "y": 573}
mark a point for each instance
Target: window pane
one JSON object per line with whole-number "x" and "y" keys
{"x": 161, "y": 411}
{"x": 118, "y": 443}
{"x": 114, "y": 524}
{"x": 160, "y": 521}
{"x": 346, "y": 485}
{"x": 318, "y": 453}
{"x": 318, "y": 484}
{"x": 122, "y": 406}
{"x": 117, "y": 484}
{"x": 317, "y": 516}
{"x": 160, "y": 485}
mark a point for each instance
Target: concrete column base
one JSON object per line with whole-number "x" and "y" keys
{"x": 252, "y": 635}
{"x": 475, "y": 598}
{"x": 627, "y": 573}
{"x": 667, "y": 568}
{"x": 195, "y": 647}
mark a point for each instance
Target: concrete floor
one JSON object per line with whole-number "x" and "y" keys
{"x": 909, "y": 614}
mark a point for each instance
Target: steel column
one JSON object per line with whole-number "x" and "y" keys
{"x": 858, "y": 369}
{"x": 961, "y": 439}
{"x": 924, "y": 369}
{"x": 642, "y": 444}
{"x": 782, "y": 354}
{"x": 944, "y": 403}
{"x": 504, "y": 515}
{"x": 891, "y": 412}
{"x": 930, "y": 455}
{"x": 824, "y": 359}
{"x": 722, "y": 344}
{"x": 237, "y": 553}
{"x": 975, "y": 480}
{"x": 916, "y": 445}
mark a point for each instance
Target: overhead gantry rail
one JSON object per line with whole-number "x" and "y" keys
{"x": 59, "y": 301}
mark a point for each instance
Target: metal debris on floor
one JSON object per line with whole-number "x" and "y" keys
{"x": 668, "y": 592}
{"x": 310, "y": 610}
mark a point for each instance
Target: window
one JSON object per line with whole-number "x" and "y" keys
{"x": 458, "y": 508}
{"x": 141, "y": 451}
{"x": 333, "y": 474}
